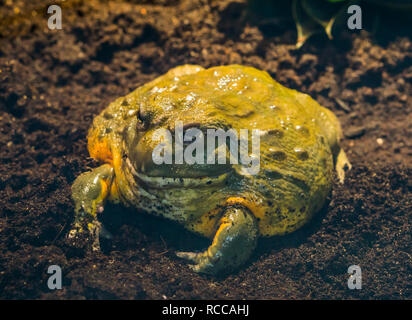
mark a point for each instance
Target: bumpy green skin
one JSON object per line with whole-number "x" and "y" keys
{"x": 299, "y": 146}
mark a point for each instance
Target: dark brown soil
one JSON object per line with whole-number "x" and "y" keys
{"x": 52, "y": 84}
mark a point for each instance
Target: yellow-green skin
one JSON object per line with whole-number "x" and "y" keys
{"x": 299, "y": 145}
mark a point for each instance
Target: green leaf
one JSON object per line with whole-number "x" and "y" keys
{"x": 305, "y": 25}
{"x": 323, "y": 13}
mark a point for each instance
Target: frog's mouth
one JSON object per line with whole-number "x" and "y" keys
{"x": 140, "y": 159}
{"x": 180, "y": 176}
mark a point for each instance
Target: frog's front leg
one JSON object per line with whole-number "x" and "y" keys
{"x": 232, "y": 245}
{"x": 89, "y": 192}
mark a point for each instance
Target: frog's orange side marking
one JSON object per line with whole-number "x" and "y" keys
{"x": 121, "y": 183}
{"x": 257, "y": 211}
{"x": 114, "y": 192}
{"x": 224, "y": 222}
{"x": 100, "y": 150}
{"x": 208, "y": 224}
{"x": 105, "y": 185}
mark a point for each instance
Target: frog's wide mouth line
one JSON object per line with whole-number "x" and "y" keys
{"x": 176, "y": 182}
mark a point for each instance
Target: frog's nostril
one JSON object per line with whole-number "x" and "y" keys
{"x": 277, "y": 154}
{"x": 301, "y": 154}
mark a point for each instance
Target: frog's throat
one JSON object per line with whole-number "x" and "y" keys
{"x": 175, "y": 182}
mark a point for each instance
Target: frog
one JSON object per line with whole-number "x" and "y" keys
{"x": 299, "y": 151}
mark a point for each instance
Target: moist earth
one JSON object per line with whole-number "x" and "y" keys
{"x": 53, "y": 82}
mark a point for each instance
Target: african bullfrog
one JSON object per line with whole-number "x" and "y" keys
{"x": 299, "y": 148}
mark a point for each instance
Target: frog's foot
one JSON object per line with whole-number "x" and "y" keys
{"x": 89, "y": 191}
{"x": 82, "y": 235}
{"x": 232, "y": 245}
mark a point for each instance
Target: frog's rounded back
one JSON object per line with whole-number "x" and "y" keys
{"x": 296, "y": 134}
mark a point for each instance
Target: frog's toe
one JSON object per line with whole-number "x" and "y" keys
{"x": 201, "y": 262}
{"x": 206, "y": 268}
{"x": 85, "y": 236}
{"x": 190, "y": 256}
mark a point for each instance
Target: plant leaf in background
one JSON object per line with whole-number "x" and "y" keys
{"x": 311, "y": 16}
{"x": 305, "y": 25}
{"x": 324, "y": 13}
{"x": 317, "y": 16}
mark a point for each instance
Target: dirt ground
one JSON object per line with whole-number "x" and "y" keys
{"x": 53, "y": 82}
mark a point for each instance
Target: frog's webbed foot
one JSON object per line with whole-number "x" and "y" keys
{"x": 89, "y": 192}
{"x": 232, "y": 245}
{"x": 342, "y": 165}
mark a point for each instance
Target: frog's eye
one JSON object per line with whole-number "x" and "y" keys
{"x": 140, "y": 124}
{"x": 140, "y": 115}
{"x": 148, "y": 116}
{"x": 143, "y": 120}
